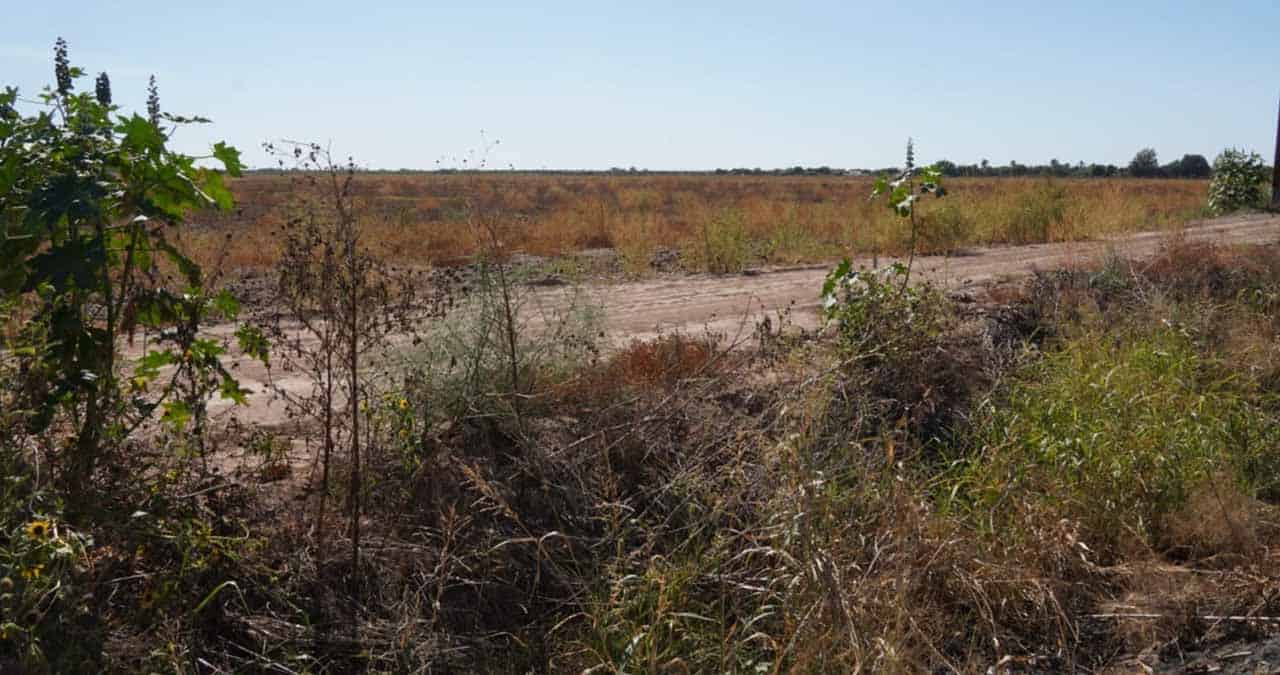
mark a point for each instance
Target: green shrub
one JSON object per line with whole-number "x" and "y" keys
{"x": 88, "y": 202}
{"x": 726, "y": 248}
{"x": 875, "y": 312}
{"x": 1113, "y": 431}
{"x": 1238, "y": 182}
{"x": 896, "y": 353}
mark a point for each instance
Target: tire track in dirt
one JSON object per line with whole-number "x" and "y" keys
{"x": 729, "y": 305}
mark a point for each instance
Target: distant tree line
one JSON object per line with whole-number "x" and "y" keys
{"x": 1145, "y": 164}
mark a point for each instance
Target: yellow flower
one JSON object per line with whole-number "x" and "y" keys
{"x": 32, "y": 572}
{"x": 39, "y": 529}
{"x": 404, "y": 404}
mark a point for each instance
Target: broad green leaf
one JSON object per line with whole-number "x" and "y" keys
{"x": 253, "y": 343}
{"x": 230, "y": 158}
{"x": 231, "y": 390}
{"x": 140, "y": 135}
{"x": 215, "y": 190}
{"x": 206, "y": 351}
{"x": 226, "y": 304}
{"x": 176, "y": 414}
{"x": 149, "y": 365}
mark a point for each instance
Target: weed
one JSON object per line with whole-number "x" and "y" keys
{"x": 902, "y": 199}
{"x": 724, "y": 247}
{"x": 1115, "y": 432}
{"x": 1036, "y": 215}
{"x": 337, "y": 304}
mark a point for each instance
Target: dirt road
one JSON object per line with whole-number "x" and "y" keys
{"x": 720, "y": 302}
{"x": 730, "y": 305}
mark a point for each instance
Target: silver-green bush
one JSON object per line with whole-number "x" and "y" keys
{"x": 1238, "y": 181}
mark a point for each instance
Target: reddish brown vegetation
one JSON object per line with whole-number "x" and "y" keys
{"x": 421, "y": 218}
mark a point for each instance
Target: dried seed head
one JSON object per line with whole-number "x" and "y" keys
{"x": 62, "y": 67}
{"x": 102, "y": 89}
{"x": 153, "y": 101}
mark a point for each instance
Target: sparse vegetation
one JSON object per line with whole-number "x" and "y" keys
{"x": 1074, "y": 474}
{"x": 713, "y": 222}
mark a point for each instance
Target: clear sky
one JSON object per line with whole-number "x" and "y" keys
{"x": 676, "y": 86}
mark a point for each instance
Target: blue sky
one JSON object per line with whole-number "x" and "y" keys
{"x": 675, "y": 86}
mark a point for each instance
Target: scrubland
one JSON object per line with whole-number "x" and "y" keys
{"x": 715, "y": 223}
{"x": 1074, "y": 474}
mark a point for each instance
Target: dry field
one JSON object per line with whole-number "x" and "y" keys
{"x": 498, "y": 422}
{"x": 716, "y": 223}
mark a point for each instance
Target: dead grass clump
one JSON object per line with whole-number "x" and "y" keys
{"x": 1219, "y": 521}
{"x": 531, "y": 517}
{"x": 1197, "y": 269}
{"x": 659, "y": 365}
{"x": 663, "y": 361}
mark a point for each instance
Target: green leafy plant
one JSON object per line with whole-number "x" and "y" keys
{"x": 725, "y": 246}
{"x": 876, "y": 312}
{"x": 1114, "y": 431}
{"x": 88, "y": 199}
{"x": 1238, "y": 181}
{"x": 40, "y": 593}
{"x": 862, "y": 302}
{"x": 903, "y": 192}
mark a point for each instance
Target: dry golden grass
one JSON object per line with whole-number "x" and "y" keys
{"x": 716, "y": 222}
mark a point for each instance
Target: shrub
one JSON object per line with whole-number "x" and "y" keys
{"x": 501, "y": 343}
{"x": 872, "y": 311}
{"x": 87, "y": 206}
{"x": 1238, "y": 181}
{"x": 726, "y": 248}
{"x": 1113, "y": 432}
{"x": 896, "y": 352}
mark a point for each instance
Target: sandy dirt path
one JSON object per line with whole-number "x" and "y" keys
{"x": 722, "y": 302}
{"x": 731, "y": 304}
